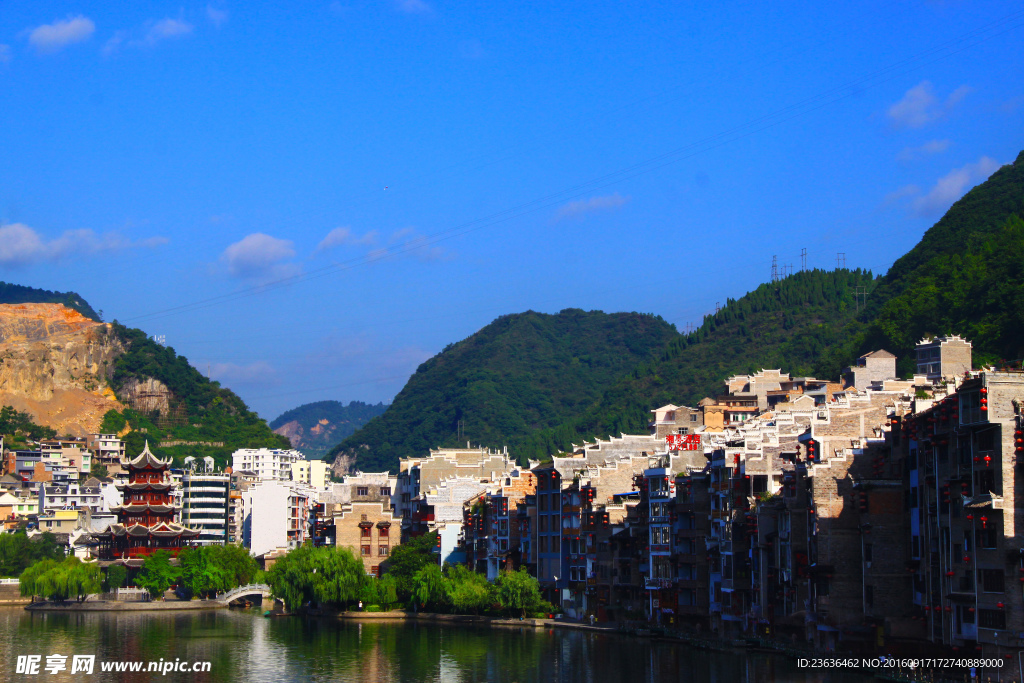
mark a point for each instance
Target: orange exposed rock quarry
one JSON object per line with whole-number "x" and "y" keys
{"x": 55, "y": 366}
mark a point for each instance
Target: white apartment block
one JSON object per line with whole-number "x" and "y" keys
{"x": 267, "y": 464}
{"x": 206, "y": 506}
{"x": 69, "y": 497}
{"x": 276, "y": 515}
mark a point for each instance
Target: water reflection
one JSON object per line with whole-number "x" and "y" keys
{"x": 245, "y": 647}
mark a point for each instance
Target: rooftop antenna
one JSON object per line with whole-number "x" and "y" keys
{"x": 775, "y": 268}
{"x": 803, "y": 259}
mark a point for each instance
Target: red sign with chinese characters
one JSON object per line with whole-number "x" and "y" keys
{"x": 683, "y": 442}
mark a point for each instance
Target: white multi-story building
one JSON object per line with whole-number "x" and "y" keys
{"x": 276, "y": 515}
{"x": 268, "y": 464}
{"x": 206, "y": 505}
{"x": 69, "y": 496}
{"x": 108, "y": 450}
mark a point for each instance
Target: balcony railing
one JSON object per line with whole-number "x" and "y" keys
{"x": 650, "y": 583}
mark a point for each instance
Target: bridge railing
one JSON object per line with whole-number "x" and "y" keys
{"x": 242, "y": 590}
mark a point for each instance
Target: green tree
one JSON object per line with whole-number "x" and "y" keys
{"x": 387, "y": 591}
{"x": 116, "y": 576}
{"x": 409, "y": 558}
{"x": 471, "y": 593}
{"x": 200, "y": 575}
{"x": 28, "y": 582}
{"x": 520, "y": 592}
{"x": 158, "y": 574}
{"x": 430, "y": 588}
{"x": 327, "y": 576}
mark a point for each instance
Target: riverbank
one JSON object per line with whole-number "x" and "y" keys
{"x": 122, "y": 606}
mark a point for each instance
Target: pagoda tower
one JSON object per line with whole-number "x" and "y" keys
{"x": 145, "y": 520}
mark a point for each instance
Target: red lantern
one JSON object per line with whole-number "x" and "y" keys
{"x": 988, "y": 460}
{"x": 984, "y": 521}
{"x": 1000, "y": 605}
{"x": 967, "y": 559}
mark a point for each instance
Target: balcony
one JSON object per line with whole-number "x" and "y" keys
{"x": 650, "y": 583}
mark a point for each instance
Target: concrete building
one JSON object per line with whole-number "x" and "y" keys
{"x": 370, "y": 530}
{"x": 943, "y": 357}
{"x": 673, "y": 419}
{"x": 276, "y": 515}
{"x": 107, "y": 450}
{"x": 205, "y": 505}
{"x": 267, "y": 464}
{"x": 873, "y": 367}
{"x": 71, "y": 496}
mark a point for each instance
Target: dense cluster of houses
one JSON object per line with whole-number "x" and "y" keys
{"x": 867, "y": 512}
{"x": 860, "y": 513}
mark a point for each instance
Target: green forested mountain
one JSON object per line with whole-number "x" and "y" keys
{"x": 965, "y": 276}
{"x": 521, "y": 373}
{"x": 315, "y": 428}
{"x": 791, "y": 324}
{"x": 200, "y": 410}
{"x": 19, "y": 294}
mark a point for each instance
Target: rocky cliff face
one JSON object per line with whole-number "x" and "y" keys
{"x": 55, "y": 365}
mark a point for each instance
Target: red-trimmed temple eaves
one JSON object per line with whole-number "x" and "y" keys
{"x": 145, "y": 520}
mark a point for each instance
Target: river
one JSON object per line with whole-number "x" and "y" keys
{"x": 242, "y": 646}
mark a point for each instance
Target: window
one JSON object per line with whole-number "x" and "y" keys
{"x": 543, "y": 546}
{"x": 385, "y": 491}
{"x": 383, "y": 532}
{"x": 988, "y": 537}
{"x": 867, "y": 552}
{"x": 375, "y": 570}
{"x": 542, "y": 524}
{"x": 382, "y": 551}
{"x": 542, "y": 502}
{"x": 992, "y": 580}
{"x": 364, "y": 532}
{"x": 364, "y": 550}
{"x": 693, "y": 417}
{"x": 992, "y": 618}
{"x": 556, "y": 544}
{"x": 362, "y": 490}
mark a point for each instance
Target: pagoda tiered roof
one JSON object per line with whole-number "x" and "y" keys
{"x": 166, "y": 529}
{"x": 139, "y": 508}
{"x": 146, "y": 460}
{"x": 143, "y": 486}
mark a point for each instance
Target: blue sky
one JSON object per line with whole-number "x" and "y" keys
{"x": 311, "y": 201}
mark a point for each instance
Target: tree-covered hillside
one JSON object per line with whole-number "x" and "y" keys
{"x": 521, "y": 373}
{"x": 791, "y": 324}
{"x": 315, "y": 428}
{"x": 965, "y": 276}
{"x": 201, "y": 410}
{"x": 19, "y": 294}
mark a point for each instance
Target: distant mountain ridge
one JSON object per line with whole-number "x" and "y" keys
{"x": 520, "y": 373}
{"x": 315, "y": 428}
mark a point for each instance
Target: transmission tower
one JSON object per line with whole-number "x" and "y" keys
{"x": 841, "y": 260}
{"x": 803, "y": 259}
{"x": 775, "y": 268}
{"x": 717, "y": 307}
{"x": 860, "y": 295}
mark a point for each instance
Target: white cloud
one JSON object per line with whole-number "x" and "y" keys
{"x": 167, "y": 28}
{"x": 899, "y": 195}
{"x": 5, "y": 53}
{"x": 922, "y": 151}
{"x": 953, "y": 185}
{"x": 582, "y": 207}
{"x": 342, "y": 236}
{"x": 149, "y": 35}
{"x": 260, "y": 257}
{"x": 920, "y": 106}
{"x": 216, "y": 16}
{"x": 414, "y": 6}
{"x": 20, "y": 245}
{"x": 61, "y": 33}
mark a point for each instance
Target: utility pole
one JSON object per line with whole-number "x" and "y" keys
{"x": 860, "y": 295}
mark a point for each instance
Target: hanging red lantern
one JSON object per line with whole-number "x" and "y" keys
{"x": 988, "y": 460}
{"x": 967, "y": 559}
{"x": 1000, "y": 605}
{"x": 970, "y": 518}
{"x": 984, "y": 521}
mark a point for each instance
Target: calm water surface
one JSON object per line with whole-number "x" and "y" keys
{"x": 243, "y": 646}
